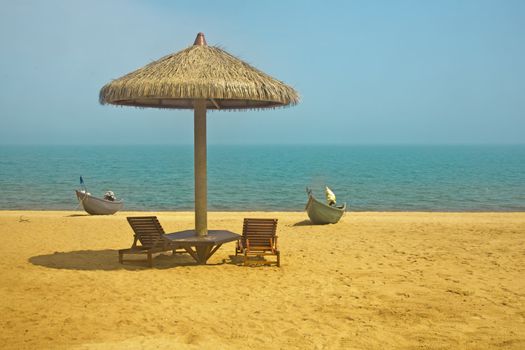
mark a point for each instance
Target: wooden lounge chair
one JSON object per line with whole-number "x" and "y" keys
{"x": 150, "y": 234}
{"x": 258, "y": 239}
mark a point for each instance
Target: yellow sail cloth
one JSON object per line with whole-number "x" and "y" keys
{"x": 330, "y": 196}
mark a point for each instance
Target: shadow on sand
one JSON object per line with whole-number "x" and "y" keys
{"x": 76, "y": 215}
{"x": 304, "y": 223}
{"x": 238, "y": 260}
{"x": 107, "y": 260}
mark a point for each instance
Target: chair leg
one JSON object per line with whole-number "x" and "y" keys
{"x": 245, "y": 257}
{"x": 278, "y": 259}
{"x": 150, "y": 260}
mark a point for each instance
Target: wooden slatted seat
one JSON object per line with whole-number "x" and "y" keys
{"x": 258, "y": 239}
{"x": 151, "y": 236}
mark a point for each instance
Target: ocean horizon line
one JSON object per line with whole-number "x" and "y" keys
{"x": 408, "y": 144}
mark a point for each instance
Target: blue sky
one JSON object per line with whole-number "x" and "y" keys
{"x": 369, "y": 72}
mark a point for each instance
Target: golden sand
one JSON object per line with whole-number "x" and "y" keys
{"x": 373, "y": 281}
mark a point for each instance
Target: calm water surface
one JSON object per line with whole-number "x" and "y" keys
{"x": 368, "y": 178}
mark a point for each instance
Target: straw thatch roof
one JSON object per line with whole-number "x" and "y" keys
{"x": 198, "y": 72}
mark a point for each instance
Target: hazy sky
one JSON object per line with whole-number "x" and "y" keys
{"x": 368, "y": 72}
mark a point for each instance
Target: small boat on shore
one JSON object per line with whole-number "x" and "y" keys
{"x": 321, "y": 213}
{"x": 98, "y": 206}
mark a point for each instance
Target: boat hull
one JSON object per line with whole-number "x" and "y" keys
{"x": 97, "y": 206}
{"x": 321, "y": 214}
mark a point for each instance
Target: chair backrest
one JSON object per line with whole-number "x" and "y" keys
{"x": 260, "y": 232}
{"x": 147, "y": 230}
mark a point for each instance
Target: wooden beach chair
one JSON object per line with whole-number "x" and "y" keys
{"x": 149, "y": 232}
{"x": 258, "y": 239}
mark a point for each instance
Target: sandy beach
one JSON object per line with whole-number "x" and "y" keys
{"x": 373, "y": 281}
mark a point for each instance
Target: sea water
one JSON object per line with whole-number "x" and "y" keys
{"x": 269, "y": 178}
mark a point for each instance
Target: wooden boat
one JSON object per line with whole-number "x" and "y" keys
{"x": 98, "y": 206}
{"x": 321, "y": 213}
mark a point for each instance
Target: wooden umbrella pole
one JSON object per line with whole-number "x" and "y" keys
{"x": 201, "y": 187}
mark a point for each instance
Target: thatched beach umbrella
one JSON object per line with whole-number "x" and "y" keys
{"x": 200, "y": 77}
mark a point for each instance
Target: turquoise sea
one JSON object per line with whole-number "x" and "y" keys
{"x": 240, "y": 178}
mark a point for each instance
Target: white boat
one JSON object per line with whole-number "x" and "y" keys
{"x": 98, "y": 206}
{"x": 321, "y": 213}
